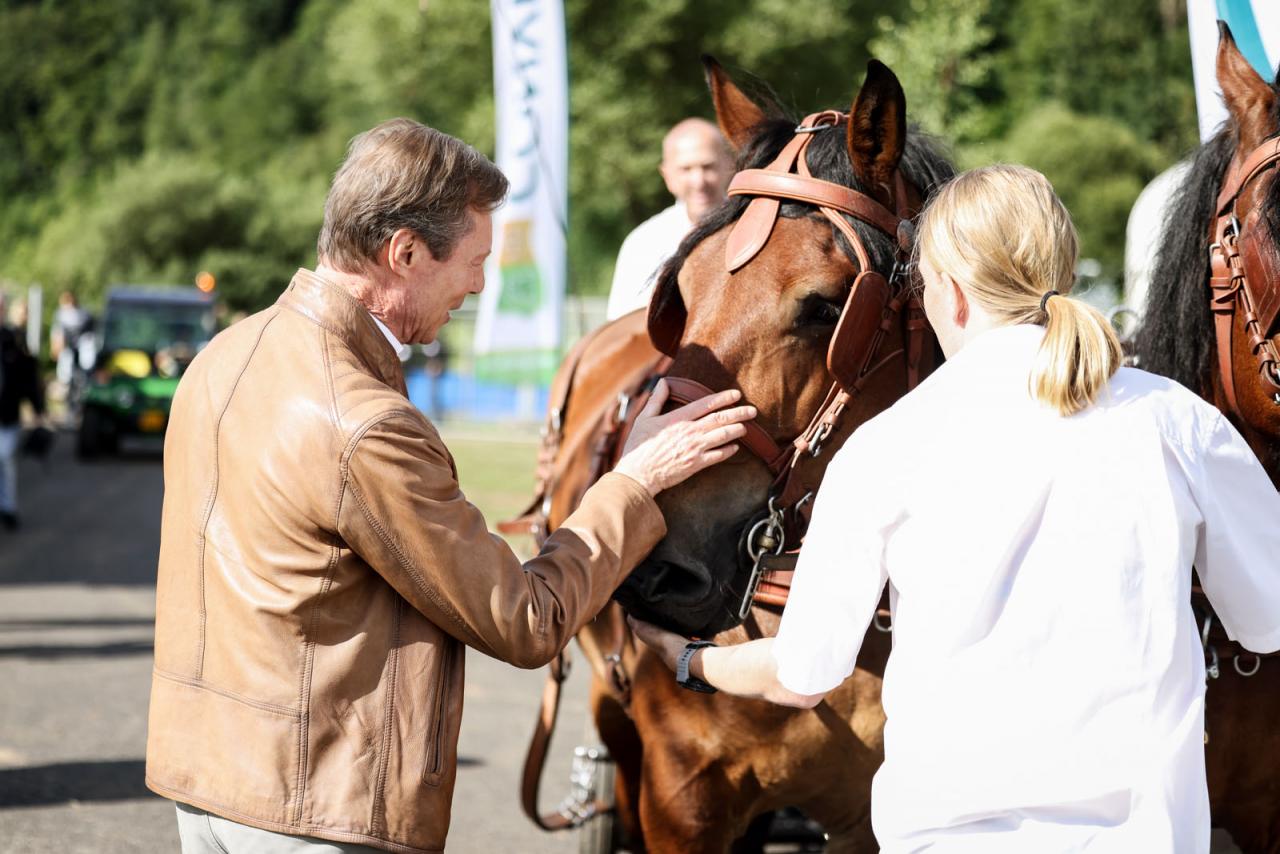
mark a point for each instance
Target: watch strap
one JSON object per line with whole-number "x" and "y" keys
{"x": 685, "y": 679}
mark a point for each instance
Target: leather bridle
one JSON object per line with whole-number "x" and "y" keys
{"x": 1231, "y": 255}
{"x": 872, "y": 308}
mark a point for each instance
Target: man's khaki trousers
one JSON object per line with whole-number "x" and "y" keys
{"x": 204, "y": 833}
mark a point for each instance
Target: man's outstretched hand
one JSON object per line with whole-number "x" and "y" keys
{"x": 665, "y": 449}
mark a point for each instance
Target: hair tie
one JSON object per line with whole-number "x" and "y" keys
{"x": 1044, "y": 300}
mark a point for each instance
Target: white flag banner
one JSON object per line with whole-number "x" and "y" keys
{"x": 518, "y": 327}
{"x": 1255, "y": 26}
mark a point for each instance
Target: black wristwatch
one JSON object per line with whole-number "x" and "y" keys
{"x": 683, "y": 678}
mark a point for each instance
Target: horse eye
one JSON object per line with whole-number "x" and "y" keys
{"x": 818, "y": 311}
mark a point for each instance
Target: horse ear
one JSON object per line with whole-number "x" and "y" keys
{"x": 877, "y": 130}
{"x": 1250, "y": 99}
{"x": 736, "y": 113}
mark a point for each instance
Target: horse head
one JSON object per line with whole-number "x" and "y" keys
{"x": 757, "y": 309}
{"x": 1213, "y": 316}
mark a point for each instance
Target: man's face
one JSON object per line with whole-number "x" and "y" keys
{"x": 697, "y": 170}
{"x": 434, "y": 288}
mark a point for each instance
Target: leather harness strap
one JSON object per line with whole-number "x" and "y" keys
{"x": 824, "y": 194}
{"x": 1229, "y": 284}
{"x": 681, "y": 390}
{"x": 536, "y": 757}
{"x": 769, "y": 186}
{"x": 1260, "y": 159}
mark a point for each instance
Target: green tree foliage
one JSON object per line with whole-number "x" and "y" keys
{"x": 145, "y": 141}
{"x": 1097, "y": 181}
{"x": 942, "y": 54}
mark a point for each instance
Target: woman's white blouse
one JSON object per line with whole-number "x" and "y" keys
{"x": 1045, "y": 692}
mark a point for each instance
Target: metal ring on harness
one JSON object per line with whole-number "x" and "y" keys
{"x": 769, "y": 527}
{"x": 886, "y": 627}
{"x": 1257, "y": 663}
{"x": 1212, "y": 671}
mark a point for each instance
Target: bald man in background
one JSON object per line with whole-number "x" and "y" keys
{"x": 696, "y": 166}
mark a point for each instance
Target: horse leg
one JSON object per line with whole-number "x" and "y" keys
{"x": 1244, "y": 791}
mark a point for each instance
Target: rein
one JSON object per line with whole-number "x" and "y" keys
{"x": 1243, "y": 278}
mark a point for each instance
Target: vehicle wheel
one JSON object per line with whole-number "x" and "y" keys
{"x": 600, "y": 833}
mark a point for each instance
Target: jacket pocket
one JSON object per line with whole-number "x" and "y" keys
{"x": 434, "y": 766}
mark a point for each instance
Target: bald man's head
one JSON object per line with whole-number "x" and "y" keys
{"x": 696, "y": 165}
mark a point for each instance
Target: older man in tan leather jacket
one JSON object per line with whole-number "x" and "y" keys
{"x": 320, "y": 569}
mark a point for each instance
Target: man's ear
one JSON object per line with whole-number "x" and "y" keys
{"x": 403, "y": 250}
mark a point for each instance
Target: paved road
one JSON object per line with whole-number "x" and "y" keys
{"x": 77, "y": 603}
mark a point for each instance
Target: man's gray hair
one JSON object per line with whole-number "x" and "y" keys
{"x": 403, "y": 174}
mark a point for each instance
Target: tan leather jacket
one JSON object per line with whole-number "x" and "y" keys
{"x": 320, "y": 572}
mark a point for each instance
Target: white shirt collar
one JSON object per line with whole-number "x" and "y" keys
{"x": 402, "y": 350}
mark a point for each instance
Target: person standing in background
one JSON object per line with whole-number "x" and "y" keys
{"x": 19, "y": 381}
{"x": 72, "y": 347}
{"x": 696, "y": 166}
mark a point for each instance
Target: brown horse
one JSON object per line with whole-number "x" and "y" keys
{"x": 1179, "y": 339}
{"x": 695, "y": 770}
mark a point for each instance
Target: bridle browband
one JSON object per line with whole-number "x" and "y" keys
{"x": 770, "y": 185}
{"x": 873, "y": 306}
{"x": 1229, "y": 260}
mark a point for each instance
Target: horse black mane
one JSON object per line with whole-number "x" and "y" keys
{"x": 1177, "y": 339}
{"x": 922, "y": 165}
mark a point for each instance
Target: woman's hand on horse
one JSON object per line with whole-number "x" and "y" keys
{"x": 668, "y": 645}
{"x": 665, "y": 449}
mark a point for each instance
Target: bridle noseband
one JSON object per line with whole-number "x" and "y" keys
{"x": 1233, "y": 251}
{"x": 872, "y": 308}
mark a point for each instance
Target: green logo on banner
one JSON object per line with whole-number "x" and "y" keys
{"x": 521, "y": 283}
{"x": 521, "y": 290}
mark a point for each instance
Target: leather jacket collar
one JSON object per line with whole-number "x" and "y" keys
{"x": 331, "y": 307}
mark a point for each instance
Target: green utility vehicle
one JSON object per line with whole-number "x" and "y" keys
{"x": 147, "y": 338}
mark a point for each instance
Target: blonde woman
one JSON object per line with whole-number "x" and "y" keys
{"x": 1036, "y": 511}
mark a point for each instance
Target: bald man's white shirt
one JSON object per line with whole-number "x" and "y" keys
{"x": 642, "y": 255}
{"x": 1045, "y": 692}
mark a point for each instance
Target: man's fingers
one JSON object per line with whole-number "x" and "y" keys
{"x": 732, "y": 416}
{"x": 706, "y": 405}
{"x": 721, "y": 435}
{"x": 716, "y": 455}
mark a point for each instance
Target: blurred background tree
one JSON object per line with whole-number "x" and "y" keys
{"x": 144, "y": 141}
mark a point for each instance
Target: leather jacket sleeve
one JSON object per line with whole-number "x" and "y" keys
{"x": 402, "y": 511}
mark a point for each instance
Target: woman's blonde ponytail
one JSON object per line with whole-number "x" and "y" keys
{"x": 1007, "y": 239}
{"x": 1079, "y": 354}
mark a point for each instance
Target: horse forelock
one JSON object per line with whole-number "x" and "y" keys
{"x": 923, "y": 165}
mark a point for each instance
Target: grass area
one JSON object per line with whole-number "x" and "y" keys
{"x": 495, "y": 469}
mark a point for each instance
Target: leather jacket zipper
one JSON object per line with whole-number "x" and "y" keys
{"x": 435, "y": 747}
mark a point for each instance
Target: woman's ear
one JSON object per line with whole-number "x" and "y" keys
{"x": 957, "y": 301}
